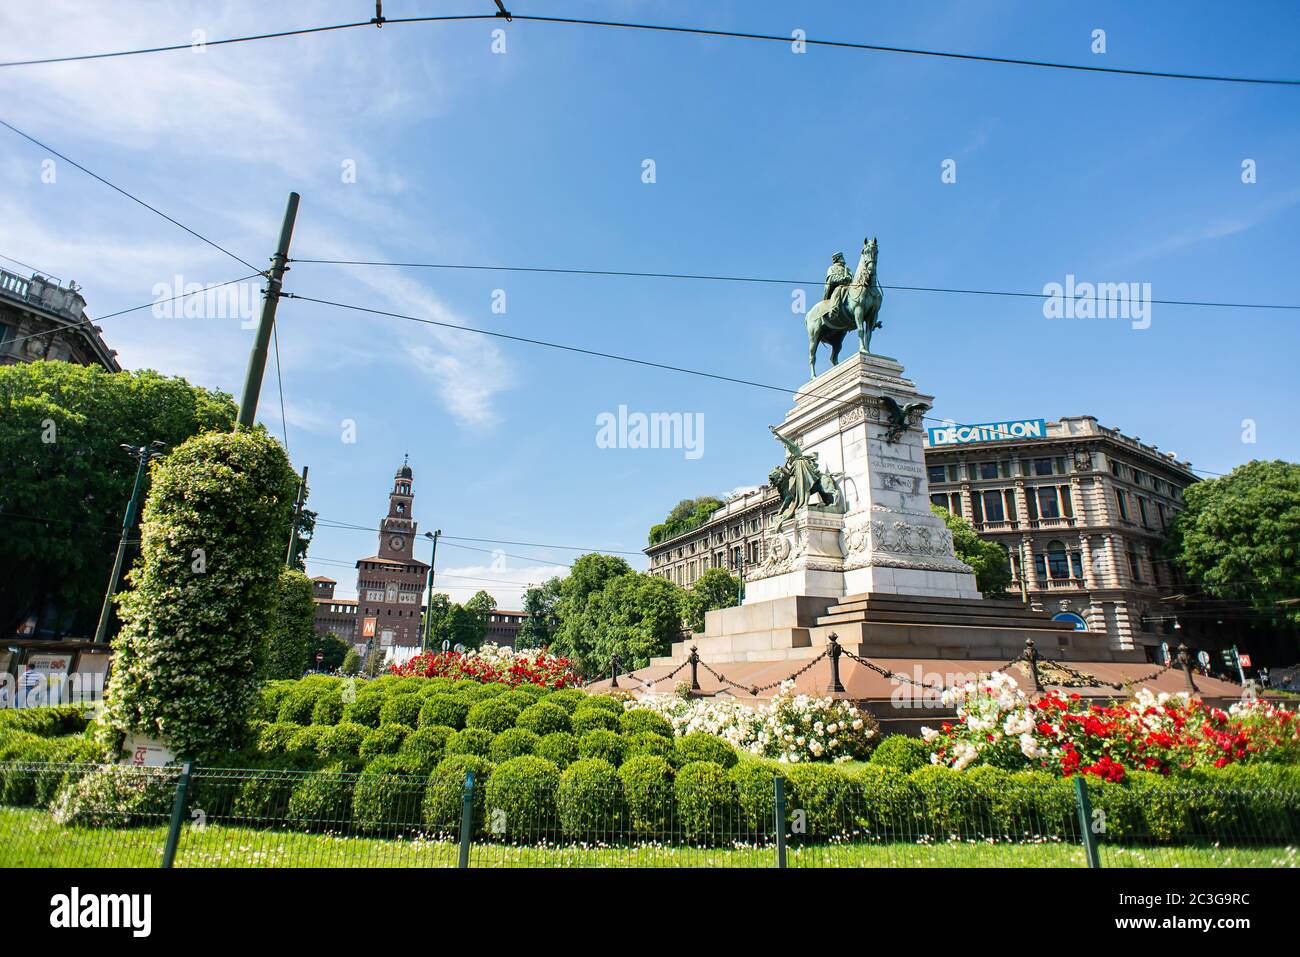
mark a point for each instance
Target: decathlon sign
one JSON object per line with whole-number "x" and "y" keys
{"x": 987, "y": 432}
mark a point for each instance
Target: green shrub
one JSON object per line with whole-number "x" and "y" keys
{"x": 1166, "y": 811}
{"x": 267, "y": 705}
{"x": 70, "y": 758}
{"x": 116, "y": 796}
{"x": 648, "y": 793}
{"x": 520, "y": 699}
{"x": 323, "y": 799}
{"x": 53, "y": 721}
{"x": 534, "y": 692}
{"x": 444, "y": 796}
{"x": 471, "y": 741}
{"x": 308, "y": 738}
{"x": 328, "y": 708}
{"x": 387, "y": 799}
{"x": 950, "y": 804}
{"x": 602, "y": 744}
{"x": 698, "y": 746}
{"x": 444, "y": 710}
{"x": 495, "y": 715}
{"x": 297, "y": 706}
{"x": 593, "y": 719}
{"x": 902, "y": 753}
{"x": 482, "y": 692}
{"x": 434, "y": 686}
{"x": 262, "y": 797}
{"x": 401, "y": 708}
{"x": 640, "y": 720}
{"x": 567, "y": 698}
{"x": 385, "y": 739}
{"x": 825, "y": 795}
{"x": 647, "y": 742}
{"x": 544, "y": 718}
{"x": 513, "y": 743}
{"x": 890, "y": 802}
{"x": 342, "y": 740}
{"x": 275, "y": 738}
{"x": 430, "y": 741}
{"x": 756, "y": 795}
{"x": 520, "y": 798}
{"x": 558, "y": 747}
{"x": 706, "y": 802}
{"x": 604, "y": 702}
{"x": 365, "y": 709}
{"x": 590, "y": 801}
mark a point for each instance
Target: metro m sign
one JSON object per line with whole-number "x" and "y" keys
{"x": 368, "y": 627}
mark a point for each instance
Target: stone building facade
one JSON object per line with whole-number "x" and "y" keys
{"x": 334, "y": 616}
{"x": 391, "y": 583}
{"x": 1080, "y": 509}
{"x": 503, "y": 627}
{"x": 43, "y": 320}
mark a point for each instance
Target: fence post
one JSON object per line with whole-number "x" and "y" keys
{"x": 778, "y": 784}
{"x": 1085, "y": 820}
{"x": 178, "y": 815}
{"x": 466, "y": 819}
{"x": 836, "y": 685}
{"x": 695, "y": 668}
{"x": 613, "y": 671}
{"x": 1031, "y": 656}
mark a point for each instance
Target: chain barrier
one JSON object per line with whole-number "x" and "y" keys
{"x": 754, "y": 690}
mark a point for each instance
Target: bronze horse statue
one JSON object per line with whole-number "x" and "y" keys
{"x": 854, "y": 306}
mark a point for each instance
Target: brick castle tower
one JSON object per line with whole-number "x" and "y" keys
{"x": 390, "y": 583}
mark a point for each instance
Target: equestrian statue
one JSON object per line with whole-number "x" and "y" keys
{"x": 849, "y": 301}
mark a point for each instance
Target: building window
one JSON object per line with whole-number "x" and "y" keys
{"x": 1135, "y": 569}
{"x": 1142, "y": 508}
{"x": 1057, "y": 563}
{"x": 941, "y": 500}
{"x": 988, "y": 470}
{"x": 1121, "y": 500}
{"x": 1042, "y": 466}
{"x": 993, "y": 507}
{"x": 937, "y": 474}
{"x": 1048, "y": 507}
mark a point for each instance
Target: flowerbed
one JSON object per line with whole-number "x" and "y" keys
{"x": 493, "y": 664}
{"x": 998, "y": 725}
{"x": 792, "y": 728}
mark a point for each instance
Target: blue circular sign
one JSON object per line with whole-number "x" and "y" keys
{"x": 1079, "y": 623}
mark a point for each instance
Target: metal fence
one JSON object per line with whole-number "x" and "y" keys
{"x": 113, "y": 816}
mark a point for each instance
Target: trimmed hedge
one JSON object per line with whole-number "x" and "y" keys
{"x": 496, "y": 714}
{"x": 589, "y": 801}
{"x": 823, "y": 795}
{"x": 387, "y": 798}
{"x": 707, "y": 811}
{"x": 567, "y": 698}
{"x": 471, "y": 741}
{"x": 648, "y": 793}
{"x": 401, "y": 708}
{"x": 342, "y": 740}
{"x": 385, "y": 739}
{"x": 323, "y": 799}
{"x": 520, "y": 798}
{"x": 513, "y": 743}
{"x": 902, "y": 753}
{"x": 593, "y": 719}
{"x": 558, "y": 747}
{"x": 444, "y": 796}
{"x": 445, "y": 710}
{"x": 602, "y": 744}
{"x": 365, "y": 709}
{"x": 640, "y": 720}
{"x": 544, "y": 718}
{"x": 647, "y": 742}
{"x": 600, "y": 702}
{"x": 698, "y": 746}
{"x": 756, "y": 795}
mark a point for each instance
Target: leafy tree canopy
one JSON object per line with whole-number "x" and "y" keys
{"x": 987, "y": 559}
{"x": 716, "y": 588}
{"x": 689, "y": 513}
{"x": 1239, "y": 537}
{"x": 291, "y": 627}
{"x": 65, "y": 480}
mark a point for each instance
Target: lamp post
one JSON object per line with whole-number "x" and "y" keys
{"x": 143, "y": 454}
{"x": 428, "y": 602}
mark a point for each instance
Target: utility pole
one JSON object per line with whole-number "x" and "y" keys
{"x": 428, "y": 602}
{"x": 143, "y": 454}
{"x": 274, "y": 279}
{"x": 297, "y": 514}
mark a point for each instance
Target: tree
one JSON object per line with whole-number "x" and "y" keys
{"x": 716, "y": 588}
{"x": 291, "y": 627}
{"x": 193, "y": 622}
{"x": 987, "y": 559}
{"x": 306, "y": 528}
{"x": 374, "y": 665}
{"x": 540, "y": 603}
{"x": 65, "y": 481}
{"x": 687, "y": 514}
{"x": 351, "y": 663}
{"x": 480, "y": 607}
{"x": 333, "y": 649}
{"x": 589, "y": 574}
{"x": 635, "y": 616}
{"x": 1239, "y": 537}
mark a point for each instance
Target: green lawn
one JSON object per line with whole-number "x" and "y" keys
{"x": 32, "y": 839}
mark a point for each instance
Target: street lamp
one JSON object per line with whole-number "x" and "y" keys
{"x": 428, "y": 602}
{"x": 143, "y": 455}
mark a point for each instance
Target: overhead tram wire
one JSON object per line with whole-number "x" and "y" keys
{"x": 123, "y": 312}
{"x": 613, "y": 356}
{"x": 502, "y": 13}
{"x": 279, "y": 384}
{"x": 348, "y": 526}
{"x": 135, "y": 199}
{"x": 628, "y": 274}
{"x": 19, "y": 262}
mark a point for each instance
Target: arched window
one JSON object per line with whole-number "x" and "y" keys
{"x": 1057, "y": 562}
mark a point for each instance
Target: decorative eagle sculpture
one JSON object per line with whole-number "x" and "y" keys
{"x": 900, "y": 416}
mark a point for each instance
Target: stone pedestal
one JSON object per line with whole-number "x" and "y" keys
{"x": 886, "y": 540}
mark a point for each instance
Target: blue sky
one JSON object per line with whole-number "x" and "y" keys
{"x": 766, "y": 162}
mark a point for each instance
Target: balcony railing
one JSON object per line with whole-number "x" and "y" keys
{"x": 997, "y": 526}
{"x": 1060, "y": 521}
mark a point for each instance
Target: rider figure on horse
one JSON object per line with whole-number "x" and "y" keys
{"x": 836, "y": 276}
